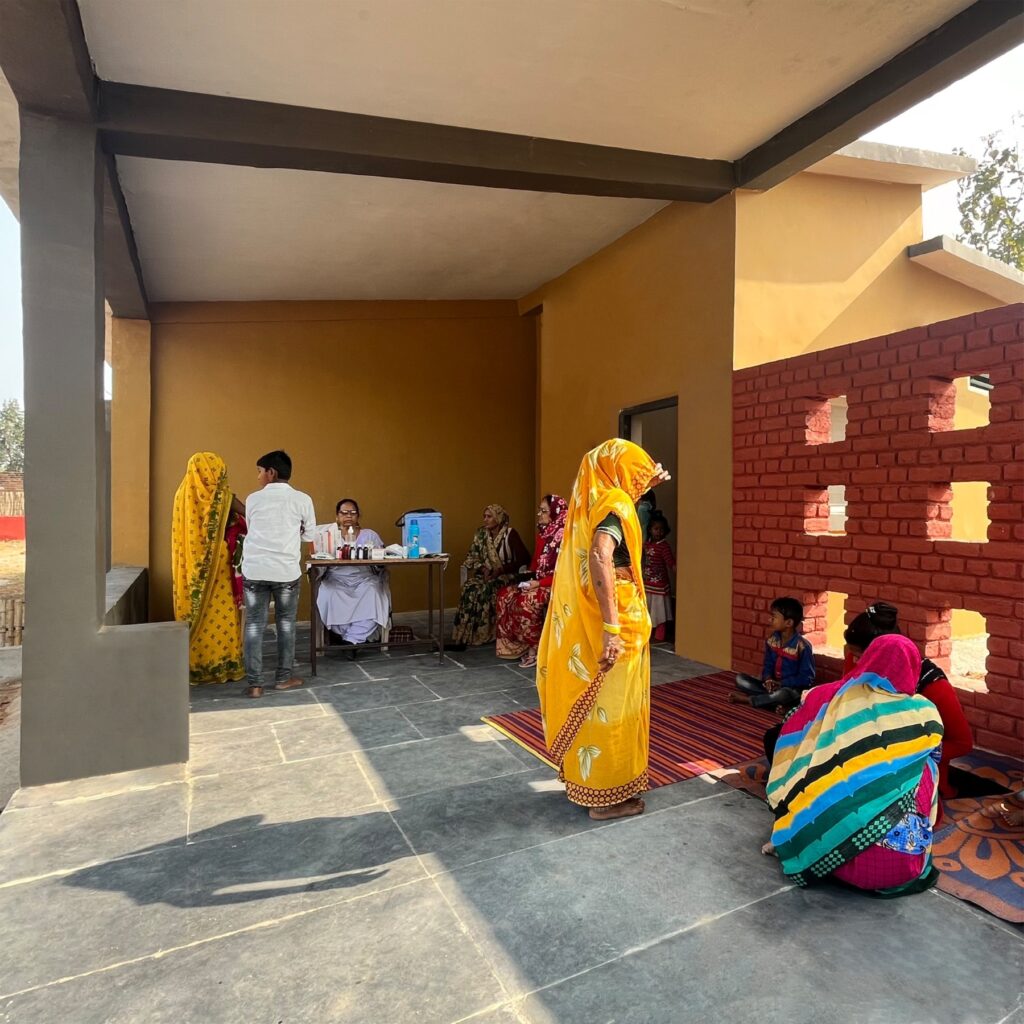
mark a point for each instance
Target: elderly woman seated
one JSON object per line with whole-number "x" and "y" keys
{"x": 495, "y": 557}
{"x": 355, "y": 600}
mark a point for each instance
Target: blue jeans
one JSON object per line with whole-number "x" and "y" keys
{"x": 257, "y": 607}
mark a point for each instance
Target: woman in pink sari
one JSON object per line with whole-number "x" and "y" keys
{"x": 522, "y": 606}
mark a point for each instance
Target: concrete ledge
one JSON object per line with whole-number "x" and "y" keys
{"x": 876, "y": 161}
{"x": 961, "y": 263}
{"x": 127, "y": 596}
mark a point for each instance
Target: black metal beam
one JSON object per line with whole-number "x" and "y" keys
{"x": 45, "y": 60}
{"x": 972, "y": 38}
{"x": 167, "y": 124}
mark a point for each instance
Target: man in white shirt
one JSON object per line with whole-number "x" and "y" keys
{"x": 279, "y": 520}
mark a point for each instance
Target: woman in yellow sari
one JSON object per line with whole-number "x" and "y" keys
{"x": 594, "y": 659}
{"x": 205, "y": 536}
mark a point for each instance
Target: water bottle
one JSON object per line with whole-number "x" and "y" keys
{"x": 414, "y": 542}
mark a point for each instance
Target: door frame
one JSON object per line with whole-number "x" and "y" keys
{"x": 626, "y": 415}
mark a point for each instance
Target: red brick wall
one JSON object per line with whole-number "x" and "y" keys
{"x": 898, "y": 459}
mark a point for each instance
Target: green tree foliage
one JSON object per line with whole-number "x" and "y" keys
{"x": 991, "y": 199}
{"x": 12, "y": 437}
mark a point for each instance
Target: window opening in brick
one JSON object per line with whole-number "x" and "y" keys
{"x": 825, "y": 510}
{"x": 969, "y": 651}
{"x": 837, "y": 509}
{"x": 840, "y": 410}
{"x": 835, "y": 624}
{"x": 969, "y": 505}
{"x": 826, "y": 421}
{"x": 972, "y": 401}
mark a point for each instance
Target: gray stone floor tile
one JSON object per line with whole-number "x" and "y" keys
{"x": 436, "y": 764}
{"x": 444, "y": 717}
{"x": 39, "y": 840}
{"x": 397, "y": 667}
{"x": 219, "y": 715}
{"x": 335, "y": 733}
{"x": 333, "y": 670}
{"x": 849, "y": 960}
{"x": 378, "y": 693}
{"x": 140, "y": 905}
{"x": 236, "y": 750}
{"x": 324, "y": 787}
{"x": 97, "y": 785}
{"x": 570, "y": 905}
{"x": 469, "y": 823}
{"x": 471, "y": 680}
{"x": 393, "y": 958}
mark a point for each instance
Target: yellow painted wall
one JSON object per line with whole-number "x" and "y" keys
{"x": 129, "y": 358}
{"x": 646, "y": 318}
{"x": 821, "y": 261}
{"x": 400, "y": 405}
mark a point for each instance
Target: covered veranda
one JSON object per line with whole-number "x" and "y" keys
{"x": 365, "y": 850}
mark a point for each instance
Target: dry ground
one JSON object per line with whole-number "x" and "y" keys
{"x": 12, "y": 568}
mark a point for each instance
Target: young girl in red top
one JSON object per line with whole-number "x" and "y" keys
{"x": 880, "y": 619}
{"x": 659, "y": 572}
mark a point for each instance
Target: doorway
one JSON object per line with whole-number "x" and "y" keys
{"x": 655, "y": 427}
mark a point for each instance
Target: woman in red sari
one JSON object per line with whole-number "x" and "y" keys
{"x": 522, "y": 606}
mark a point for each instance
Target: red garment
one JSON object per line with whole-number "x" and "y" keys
{"x": 957, "y": 738}
{"x": 659, "y": 567}
{"x": 234, "y": 535}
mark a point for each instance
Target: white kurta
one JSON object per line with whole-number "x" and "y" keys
{"x": 354, "y": 600}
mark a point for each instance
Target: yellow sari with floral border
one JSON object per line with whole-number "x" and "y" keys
{"x": 597, "y": 725}
{"x": 202, "y": 573}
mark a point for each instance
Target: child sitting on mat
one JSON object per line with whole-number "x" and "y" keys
{"x": 788, "y": 667}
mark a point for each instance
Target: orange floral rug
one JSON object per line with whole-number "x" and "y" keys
{"x": 979, "y": 859}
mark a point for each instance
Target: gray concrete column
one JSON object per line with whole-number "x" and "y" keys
{"x": 95, "y": 699}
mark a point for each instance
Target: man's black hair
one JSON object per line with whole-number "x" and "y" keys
{"x": 278, "y": 461}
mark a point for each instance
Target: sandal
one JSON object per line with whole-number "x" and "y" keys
{"x": 528, "y": 661}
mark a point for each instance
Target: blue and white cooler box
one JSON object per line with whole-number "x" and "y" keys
{"x": 429, "y": 526}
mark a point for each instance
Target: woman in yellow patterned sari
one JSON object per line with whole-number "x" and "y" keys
{"x": 205, "y": 534}
{"x": 594, "y": 659}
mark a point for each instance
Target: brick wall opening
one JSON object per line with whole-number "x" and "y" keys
{"x": 906, "y": 443}
{"x": 968, "y": 650}
{"x": 968, "y": 503}
{"x": 837, "y": 509}
{"x": 972, "y": 402}
{"x": 827, "y": 419}
{"x": 832, "y": 643}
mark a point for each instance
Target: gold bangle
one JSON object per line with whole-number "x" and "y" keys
{"x": 614, "y": 630}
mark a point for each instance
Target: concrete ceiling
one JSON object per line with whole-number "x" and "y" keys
{"x": 209, "y": 232}
{"x": 710, "y": 78}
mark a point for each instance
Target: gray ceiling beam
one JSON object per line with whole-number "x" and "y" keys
{"x": 168, "y": 124}
{"x": 45, "y": 60}
{"x": 967, "y": 41}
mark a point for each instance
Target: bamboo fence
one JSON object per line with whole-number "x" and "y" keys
{"x": 12, "y": 621}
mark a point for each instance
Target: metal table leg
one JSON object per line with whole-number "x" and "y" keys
{"x": 314, "y": 617}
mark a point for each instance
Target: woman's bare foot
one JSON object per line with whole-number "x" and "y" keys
{"x": 1009, "y": 810}
{"x": 738, "y": 698}
{"x": 624, "y": 810}
{"x": 768, "y": 849}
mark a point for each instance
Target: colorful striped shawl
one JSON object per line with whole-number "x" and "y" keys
{"x": 848, "y": 762}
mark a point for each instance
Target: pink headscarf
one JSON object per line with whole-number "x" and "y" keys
{"x": 892, "y": 657}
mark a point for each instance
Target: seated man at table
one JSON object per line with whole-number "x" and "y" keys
{"x": 354, "y": 600}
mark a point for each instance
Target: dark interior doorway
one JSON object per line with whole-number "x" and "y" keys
{"x": 655, "y": 427}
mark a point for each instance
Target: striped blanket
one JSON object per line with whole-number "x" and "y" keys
{"x": 848, "y": 765}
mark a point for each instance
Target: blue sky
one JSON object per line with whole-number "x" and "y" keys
{"x": 956, "y": 117}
